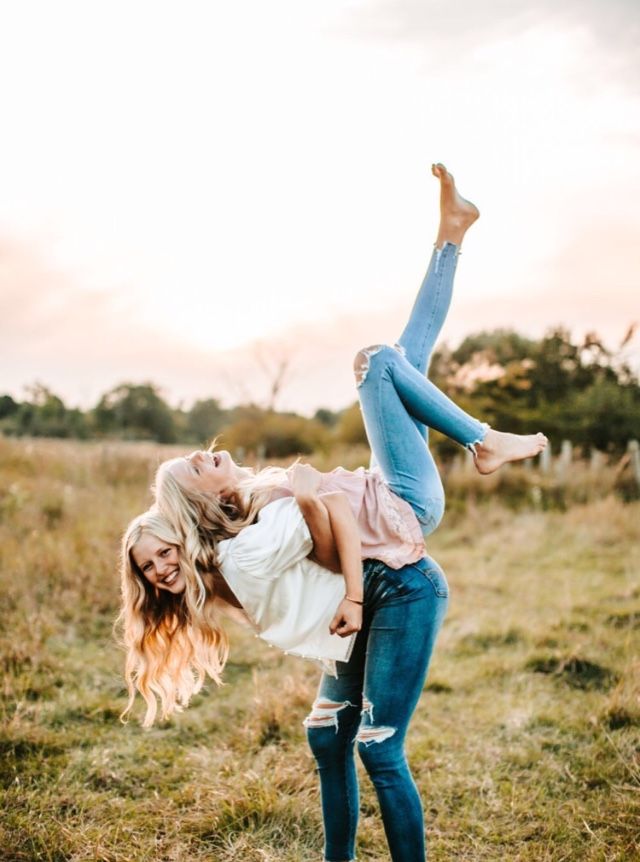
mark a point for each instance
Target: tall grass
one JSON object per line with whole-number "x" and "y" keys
{"x": 525, "y": 746}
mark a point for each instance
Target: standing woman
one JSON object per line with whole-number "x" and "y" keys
{"x": 370, "y": 701}
{"x": 373, "y": 697}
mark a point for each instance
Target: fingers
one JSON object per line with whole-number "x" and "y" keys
{"x": 342, "y": 627}
{"x": 305, "y": 479}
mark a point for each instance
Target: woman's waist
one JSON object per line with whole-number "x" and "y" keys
{"x": 380, "y": 579}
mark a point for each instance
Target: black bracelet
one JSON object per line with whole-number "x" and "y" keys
{"x": 355, "y": 601}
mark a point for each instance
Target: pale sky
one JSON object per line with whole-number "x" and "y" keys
{"x": 192, "y": 190}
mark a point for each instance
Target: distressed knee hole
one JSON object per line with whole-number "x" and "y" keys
{"x": 324, "y": 713}
{"x": 370, "y": 734}
{"x": 363, "y": 358}
{"x": 367, "y": 707}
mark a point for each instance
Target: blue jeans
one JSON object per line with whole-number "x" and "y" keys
{"x": 372, "y": 699}
{"x": 399, "y": 404}
{"x": 371, "y": 702}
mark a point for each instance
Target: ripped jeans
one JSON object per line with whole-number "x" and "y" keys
{"x": 373, "y": 697}
{"x": 399, "y": 404}
{"x": 371, "y": 702}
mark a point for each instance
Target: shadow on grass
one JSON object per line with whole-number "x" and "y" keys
{"x": 577, "y": 672}
{"x": 473, "y": 644}
{"x": 629, "y": 620}
{"x": 26, "y": 757}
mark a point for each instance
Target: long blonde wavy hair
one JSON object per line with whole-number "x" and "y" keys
{"x": 172, "y": 641}
{"x": 201, "y": 520}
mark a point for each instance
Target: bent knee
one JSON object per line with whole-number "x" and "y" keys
{"x": 433, "y": 514}
{"x": 363, "y": 359}
{"x": 369, "y": 733}
{"x": 324, "y": 715}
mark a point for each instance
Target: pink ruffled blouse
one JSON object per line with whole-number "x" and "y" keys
{"x": 389, "y": 529}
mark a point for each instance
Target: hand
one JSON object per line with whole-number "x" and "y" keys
{"x": 305, "y": 480}
{"x": 348, "y": 619}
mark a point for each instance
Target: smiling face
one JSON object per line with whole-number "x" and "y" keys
{"x": 159, "y": 563}
{"x": 206, "y": 472}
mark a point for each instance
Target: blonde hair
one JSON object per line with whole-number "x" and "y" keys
{"x": 201, "y": 520}
{"x": 172, "y": 641}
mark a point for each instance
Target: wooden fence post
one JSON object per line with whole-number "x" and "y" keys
{"x": 545, "y": 459}
{"x": 565, "y": 457}
{"x": 633, "y": 448}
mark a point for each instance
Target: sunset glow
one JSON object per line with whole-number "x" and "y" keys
{"x": 182, "y": 181}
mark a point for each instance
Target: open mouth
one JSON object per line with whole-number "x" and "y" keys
{"x": 171, "y": 579}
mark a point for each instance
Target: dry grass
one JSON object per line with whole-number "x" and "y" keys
{"x": 526, "y": 745}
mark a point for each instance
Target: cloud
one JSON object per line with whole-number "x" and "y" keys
{"x": 448, "y": 28}
{"x": 78, "y": 341}
{"x": 590, "y": 283}
{"x": 81, "y": 343}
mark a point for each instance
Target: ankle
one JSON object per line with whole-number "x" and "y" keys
{"x": 454, "y": 237}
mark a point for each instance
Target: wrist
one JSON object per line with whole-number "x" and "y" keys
{"x": 354, "y": 600}
{"x": 307, "y": 501}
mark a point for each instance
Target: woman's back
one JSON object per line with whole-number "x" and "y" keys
{"x": 389, "y": 529}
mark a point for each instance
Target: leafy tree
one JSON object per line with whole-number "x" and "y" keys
{"x": 135, "y": 411}
{"x": 326, "y": 417}
{"x": 205, "y": 419}
{"x": 350, "y": 427}
{"x": 503, "y": 345}
{"x": 44, "y": 414}
{"x": 7, "y": 406}
{"x": 606, "y": 415}
{"x": 273, "y": 435}
{"x": 576, "y": 391}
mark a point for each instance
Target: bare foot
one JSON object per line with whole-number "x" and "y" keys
{"x": 456, "y": 213}
{"x": 498, "y": 447}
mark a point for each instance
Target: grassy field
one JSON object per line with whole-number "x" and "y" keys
{"x": 526, "y": 745}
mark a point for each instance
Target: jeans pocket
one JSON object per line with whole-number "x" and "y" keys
{"x": 433, "y": 572}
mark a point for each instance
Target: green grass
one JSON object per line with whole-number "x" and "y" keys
{"x": 525, "y": 746}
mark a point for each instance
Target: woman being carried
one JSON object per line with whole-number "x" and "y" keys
{"x": 247, "y": 528}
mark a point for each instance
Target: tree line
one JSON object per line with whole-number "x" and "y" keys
{"x": 581, "y": 392}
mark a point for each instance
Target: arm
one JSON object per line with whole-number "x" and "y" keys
{"x": 305, "y": 481}
{"x": 316, "y": 514}
{"x": 335, "y": 533}
{"x": 347, "y": 540}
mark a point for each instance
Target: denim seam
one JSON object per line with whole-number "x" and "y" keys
{"x": 349, "y": 805}
{"x": 424, "y": 360}
{"x": 423, "y": 510}
{"x": 447, "y": 409}
{"x": 347, "y": 750}
{"x": 438, "y": 590}
{"x": 383, "y": 424}
{"x": 438, "y": 289}
{"x": 388, "y": 371}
